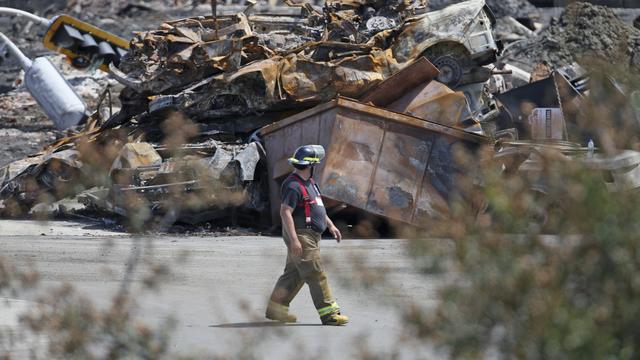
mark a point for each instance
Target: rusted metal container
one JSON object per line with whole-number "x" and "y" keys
{"x": 385, "y": 163}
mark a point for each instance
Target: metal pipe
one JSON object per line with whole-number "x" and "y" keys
{"x": 24, "y": 61}
{"x": 33, "y": 17}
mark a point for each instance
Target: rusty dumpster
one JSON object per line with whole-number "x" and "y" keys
{"x": 385, "y": 163}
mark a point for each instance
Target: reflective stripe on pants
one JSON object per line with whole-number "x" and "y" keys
{"x": 333, "y": 308}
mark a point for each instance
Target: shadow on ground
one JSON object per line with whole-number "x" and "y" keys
{"x": 258, "y": 324}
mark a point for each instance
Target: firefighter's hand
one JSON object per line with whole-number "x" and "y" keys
{"x": 296, "y": 248}
{"x": 335, "y": 233}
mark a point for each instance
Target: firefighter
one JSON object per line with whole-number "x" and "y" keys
{"x": 304, "y": 219}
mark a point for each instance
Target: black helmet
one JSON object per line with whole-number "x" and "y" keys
{"x": 307, "y": 155}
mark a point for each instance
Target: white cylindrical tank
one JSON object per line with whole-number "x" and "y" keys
{"x": 54, "y": 94}
{"x": 51, "y": 91}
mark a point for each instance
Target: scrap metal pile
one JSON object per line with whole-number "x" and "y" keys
{"x": 261, "y": 64}
{"x": 212, "y": 106}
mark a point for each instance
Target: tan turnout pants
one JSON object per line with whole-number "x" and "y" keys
{"x": 306, "y": 269}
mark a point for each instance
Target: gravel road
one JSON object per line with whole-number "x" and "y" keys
{"x": 218, "y": 294}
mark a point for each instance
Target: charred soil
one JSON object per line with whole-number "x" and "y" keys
{"x": 584, "y": 32}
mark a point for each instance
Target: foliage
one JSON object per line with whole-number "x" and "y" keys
{"x": 539, "y": 275}
{"x": 77, "y": 329}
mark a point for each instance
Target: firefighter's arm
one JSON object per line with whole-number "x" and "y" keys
{"x": 286, "y": 214}
{"x": 333, "y": 230}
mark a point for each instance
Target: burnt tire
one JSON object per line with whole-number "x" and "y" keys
{"x": 451, "y": 70}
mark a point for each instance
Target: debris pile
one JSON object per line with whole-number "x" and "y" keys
{"x": 501, "y": 8}
{"x": 230, "y": 76}
{"x": 239, "y": 74}
{"x": 209, "y": 109}
{"x": 248, "y": 70}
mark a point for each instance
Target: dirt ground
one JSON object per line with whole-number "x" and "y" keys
{"x": 582, "y": 33}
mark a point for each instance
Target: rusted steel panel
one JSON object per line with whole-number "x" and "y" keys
{"x": 435, "y": 102}
{"x": 422, "y": 71}
{"x": 379, "y": 161}
{"x": 438, "y": 181}
{"x": 355, "y": 151}
{"x": 396, "y": 183}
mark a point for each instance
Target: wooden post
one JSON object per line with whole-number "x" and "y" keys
{"x": 214, "y": 11}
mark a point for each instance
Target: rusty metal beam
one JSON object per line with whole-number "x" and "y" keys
{"x": 420, "y": 72}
